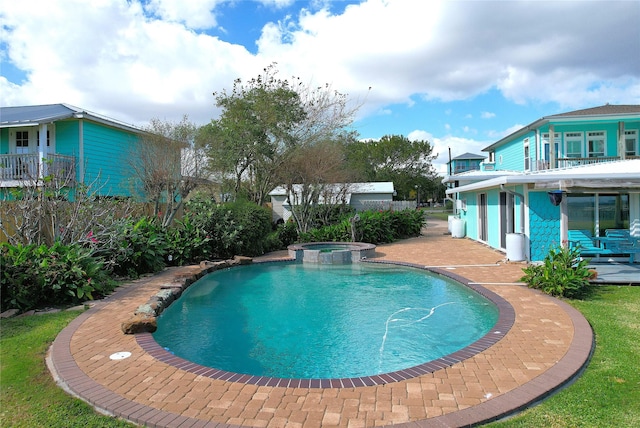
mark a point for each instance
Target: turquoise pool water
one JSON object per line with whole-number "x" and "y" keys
{"x": 331, "y": 321}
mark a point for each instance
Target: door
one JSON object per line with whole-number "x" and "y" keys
{"x": 482, "y": 217}
{"x": 506, "y": 217}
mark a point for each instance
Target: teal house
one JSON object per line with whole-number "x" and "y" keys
{"x": 465, "y": 162}
{"x": 563, "y": 176}
{"x": 67, "y": 143}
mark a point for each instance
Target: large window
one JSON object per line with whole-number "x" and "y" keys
{"x": 573, "y": 144}
{"x": 631, "y": 142}
{"x": 597, "y": 213}
{"x": 596, "y": 143}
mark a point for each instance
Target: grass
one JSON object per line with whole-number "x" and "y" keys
{"x": 29, "y": 397}
{"x": 608, "y": 392}
{"x": 606, "y": 395}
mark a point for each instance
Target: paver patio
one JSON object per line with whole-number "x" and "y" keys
{"x": 547, "y": 345}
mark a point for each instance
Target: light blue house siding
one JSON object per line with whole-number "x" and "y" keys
{"x": 470, "y": 215}
{"x": 107, "y": 154}
{"x": 544, "y": 225}
{"x": 510, "y": 157}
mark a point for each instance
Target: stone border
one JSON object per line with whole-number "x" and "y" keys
{"x": 144, "y": 319}
{"x": 506, "y": 319}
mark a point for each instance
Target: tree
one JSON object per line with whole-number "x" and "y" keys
{"x": 267, "y": 122}
{"x": 255, "y": 130}
{"x": 316, "y": 173}
{"x": 396, "y": 158}
{"x": 165, "y": 178}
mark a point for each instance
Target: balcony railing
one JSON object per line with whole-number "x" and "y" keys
{"x": 31, "y": 168}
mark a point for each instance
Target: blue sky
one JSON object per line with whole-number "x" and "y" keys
{"x": 458, "y": 73}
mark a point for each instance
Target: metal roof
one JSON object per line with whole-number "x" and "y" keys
{"x": 619, "y": 174}
{"x": 469, "y": 156}
{"x": 355, "y": 188}
{"x": 39, "y": 114}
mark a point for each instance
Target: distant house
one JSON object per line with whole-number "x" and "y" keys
{"x": 465, "y": 162}
{"x": 68, "y": 143}
{"x": 588, "y": 160}
{"x": 361, "y": 196}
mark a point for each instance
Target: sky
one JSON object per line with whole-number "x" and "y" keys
{"x": 460, "y": 74}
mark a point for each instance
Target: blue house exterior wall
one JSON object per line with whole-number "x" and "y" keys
{"x": 510, "y": 157}
{"x": 544, "y": 225}
{"x": 106, "y": 153}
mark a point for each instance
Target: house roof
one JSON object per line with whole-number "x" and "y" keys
{"x": 605, "y": 112}
{"x": 48, "y": 113}
{"x": 624, "y": 174}
{"x": 469, "y": 156}
{"x": 355, "y": 188}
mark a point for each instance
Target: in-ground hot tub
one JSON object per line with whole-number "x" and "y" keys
{"x": 331, "y": 252}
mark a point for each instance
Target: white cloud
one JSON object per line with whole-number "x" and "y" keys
{"x": 442, "y": 145}
{"x": 487, "y": 115}
{"x": 114, "y": 57}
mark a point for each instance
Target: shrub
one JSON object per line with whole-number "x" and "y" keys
{"x": 142, "y": 248}
{"x": 562, "y": 273}
{"x": 376, "y": 227}
{"x": 225, "y": 230}
{"x": 35, "y": 276}
{"x": 188, "y": 242}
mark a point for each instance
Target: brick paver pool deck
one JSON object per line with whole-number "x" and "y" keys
{"x": 548, "y": 344}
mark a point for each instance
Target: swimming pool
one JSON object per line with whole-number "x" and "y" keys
{"x": 293, "y": 320}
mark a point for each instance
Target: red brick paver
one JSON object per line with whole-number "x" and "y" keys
{"x": 548, "y": 344}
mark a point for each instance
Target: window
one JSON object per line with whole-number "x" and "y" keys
{"x": 526, "y": 154}
{"x": 22, "y": 142}
{"x": 595, "y": 144}
{"x": 631, "y": 142}
{"x": 545, "y": 146}
{"x": 573, "y": 144}
{"x": 48, "y": 138}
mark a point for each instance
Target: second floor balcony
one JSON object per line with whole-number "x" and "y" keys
{"x": 28, "y": 169}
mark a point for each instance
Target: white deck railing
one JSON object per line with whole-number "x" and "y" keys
{"x": 31, "y": 167}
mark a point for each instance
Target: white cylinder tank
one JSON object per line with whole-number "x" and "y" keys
{"x": 449, "y": 221}
{"x": 457, "y": 228}
{"x": 515, "y": 247}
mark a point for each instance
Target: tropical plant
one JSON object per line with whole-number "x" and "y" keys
{"x": 562, "y": 273}
{"x": 36, "y": 276}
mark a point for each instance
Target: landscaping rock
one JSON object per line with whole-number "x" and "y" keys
{"x": 9, "y": 313}
{"x": 241, "y": 260}
{"x": 139, "y": 324}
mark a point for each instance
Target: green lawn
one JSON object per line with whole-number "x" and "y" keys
{"x": 28, "y": 395}
{"x": 607, "y": 394}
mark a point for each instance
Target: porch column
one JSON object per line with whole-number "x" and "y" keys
{"x": 564, "y": 219}
{"x": 552, "y": 148}
{"x": 42, "y": 150}
{"x": 621, "y": 141}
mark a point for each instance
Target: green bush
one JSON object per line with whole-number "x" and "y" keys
{"x": 223, "y": 230}
{"x": 35, "y": 276}
{"x": 562, "y": 273}
{"x": 375, "y": 227}
{"x": 188, "y": 243}
{"x": 142, "y": 248}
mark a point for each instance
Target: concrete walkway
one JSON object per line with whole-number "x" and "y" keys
{"x": 548, "y": 343}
